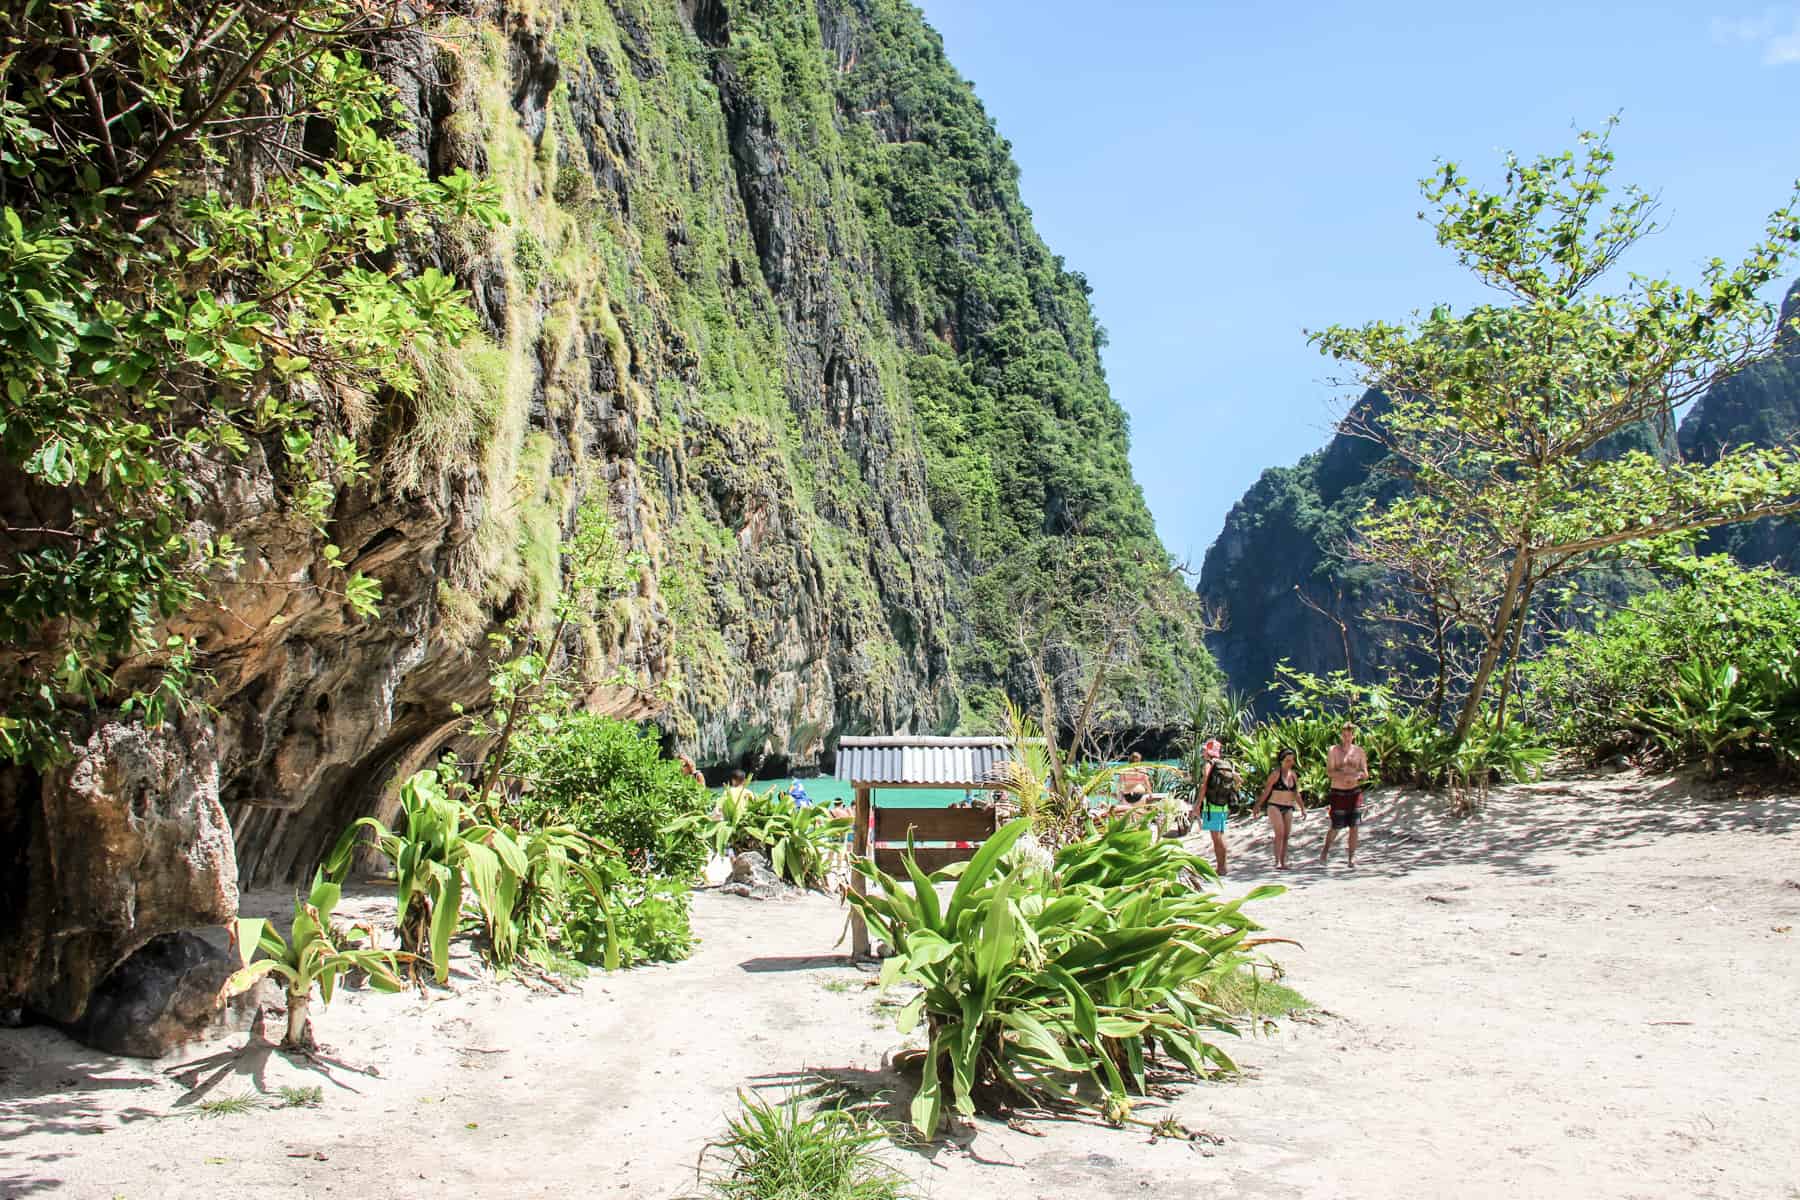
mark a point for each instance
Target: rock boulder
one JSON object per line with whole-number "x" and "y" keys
{"x": 753, "y": 878}
{"x": 165, "y": 995}
{"x": 123, "y": 843}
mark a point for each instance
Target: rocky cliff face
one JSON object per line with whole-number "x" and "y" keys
{"x": 770, "y": 310}
{"x": 1759, "y": 406}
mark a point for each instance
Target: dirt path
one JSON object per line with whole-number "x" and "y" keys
{"x": 1590, "y": 991}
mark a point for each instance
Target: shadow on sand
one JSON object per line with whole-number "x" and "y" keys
{"x": 1523, "y": 829}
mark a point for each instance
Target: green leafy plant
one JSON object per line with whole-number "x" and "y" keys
{"x": 520, "y": 875}
{"x": 801, "y": 840}
{"x": 1710, "y": 709}
{"x": 609, "y": 779}
{"x": 778, "y": 1152}
{"x": 313, "y": 956}
{"x": 637, "y": 919}
{"x": 1032, "y": 984}
{"x": 1702, "y": 667}
{"x": 436, "y": 853}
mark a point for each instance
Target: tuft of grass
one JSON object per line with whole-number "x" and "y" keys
{"x": 302, "y": 1097}
{"x": 838, "y": 986}
{"x": 1246, "y": 993}
{"x": 229, "y": 1106}
{"x": 776, "y": 1152}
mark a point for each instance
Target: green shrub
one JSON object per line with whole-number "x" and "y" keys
{"x": 608, "y": 779}
{"x": 774, "y": 1152}
{"x": 802, "y": 841}
{"x": 521, "y": 876}
{"x": 644, "y": 919}
{"x": 1703, "y": 669}
{"x": 1034, "y": 985}
{"x": 1404, "y": 744}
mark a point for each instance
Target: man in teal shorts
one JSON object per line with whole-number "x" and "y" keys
{"x": 1214, "y": 798}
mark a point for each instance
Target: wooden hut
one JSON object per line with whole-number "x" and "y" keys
{"x": 873, "y": 765}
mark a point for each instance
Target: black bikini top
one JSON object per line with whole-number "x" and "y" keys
{"x": 1286, "y": 783}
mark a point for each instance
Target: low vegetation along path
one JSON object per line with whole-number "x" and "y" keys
{"x": 1589, "y": 991}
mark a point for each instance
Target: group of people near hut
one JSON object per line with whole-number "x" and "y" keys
{"x": 1280, "y": 798}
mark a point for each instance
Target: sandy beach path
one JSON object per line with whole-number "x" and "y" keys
{"x": 1588, "y": 991}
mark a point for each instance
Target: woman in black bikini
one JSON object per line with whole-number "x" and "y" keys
{"x": 1281, "y": 796}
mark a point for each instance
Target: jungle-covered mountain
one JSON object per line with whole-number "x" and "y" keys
{"x": 1284, "y": 587}
{"x": 763, "y": 321}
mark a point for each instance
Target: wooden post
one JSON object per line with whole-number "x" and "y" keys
{"x": 859, "y": 849}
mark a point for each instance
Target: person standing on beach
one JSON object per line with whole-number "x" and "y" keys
{"x": 1347, "y": 768}
{"x": 1280, "y": 797}
{"x": 1213, "y": 797}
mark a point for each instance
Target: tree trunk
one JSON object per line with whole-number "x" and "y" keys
{"x": 1510, "y": 675}
{"x": 1443, "y": 661}
{"x": 299, "y": 1034}
{"x": 1509, "y": 600}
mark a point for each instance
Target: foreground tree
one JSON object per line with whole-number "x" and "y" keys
{"x": 1498, "y": 416}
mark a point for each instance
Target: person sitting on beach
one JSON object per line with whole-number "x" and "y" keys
{"x": 1280, "y": 796}
{"x": 1347, "y": 768}
{"x": 1134, "y": 783}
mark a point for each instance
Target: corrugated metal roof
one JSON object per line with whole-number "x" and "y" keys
{"x": 966, "y": 762}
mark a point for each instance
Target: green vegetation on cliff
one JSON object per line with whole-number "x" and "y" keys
{"x": 766, "y": 292}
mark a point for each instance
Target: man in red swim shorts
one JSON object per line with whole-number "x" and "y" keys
{"x": 1347, "y": 768}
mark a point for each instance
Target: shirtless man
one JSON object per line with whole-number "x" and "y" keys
{"x": 1348, "y": 769}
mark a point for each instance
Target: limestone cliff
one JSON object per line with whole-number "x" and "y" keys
{"x": 769, "y": 305}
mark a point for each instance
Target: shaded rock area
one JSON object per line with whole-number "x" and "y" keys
{"x": 752, "y": 878}
{"x": 168, "y": 994}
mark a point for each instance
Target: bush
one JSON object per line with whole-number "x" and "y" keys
{"x": 609, "y": 779}
{"x": 1034, "y": 984}
{"x": 645, "y": 919}
{"x": 801, "y": 841}
{"x": 1701, "y": 670}
{"x": 1405, "y": 745}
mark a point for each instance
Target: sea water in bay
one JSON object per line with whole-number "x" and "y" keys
{"x": 824, "y": 789}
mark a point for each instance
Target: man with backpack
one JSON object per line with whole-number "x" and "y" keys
{"x": 1215, "y": 792}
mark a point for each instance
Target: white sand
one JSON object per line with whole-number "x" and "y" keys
{"x": 1591, "y": 991}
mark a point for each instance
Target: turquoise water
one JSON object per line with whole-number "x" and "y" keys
{"x": 827, "y": 790}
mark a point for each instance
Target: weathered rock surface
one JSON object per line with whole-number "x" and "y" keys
{"x": 165, "y": 995}
{"x": 754, "y": 879}
{"x": 135, "y": 845}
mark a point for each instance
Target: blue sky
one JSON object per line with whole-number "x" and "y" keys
{"x": 1228, "y": 177}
